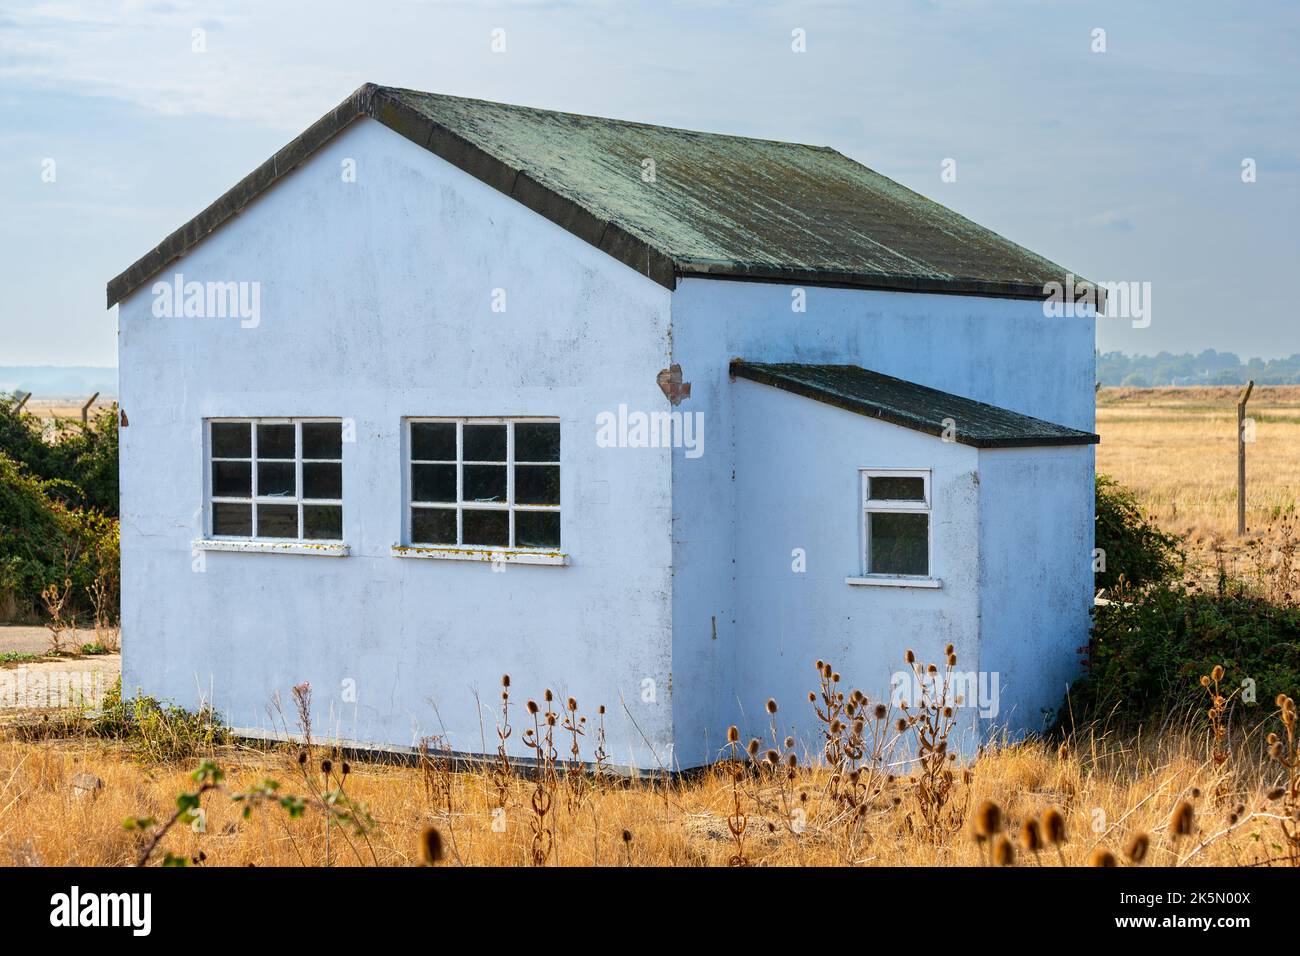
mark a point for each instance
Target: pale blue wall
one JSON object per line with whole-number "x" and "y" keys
{"x": 1036, "y": 580}
{"x": 797, "y": 473}
{"x": 376, "y": 305}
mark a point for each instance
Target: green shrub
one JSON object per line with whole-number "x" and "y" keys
{"x": 78, "y": 461}
{"x": 1133, "y": 546}
{"x": 1148, "y": 651}
{"x": 43, "y": 542}
{"x": 158, "y": 731}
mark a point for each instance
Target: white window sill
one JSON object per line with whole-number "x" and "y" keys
{"x": 893, "y": 581}
{"x": 502, "y": 555}
{"x": 322, "y": 549}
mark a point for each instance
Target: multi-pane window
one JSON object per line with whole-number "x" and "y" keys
{"x": 484, "y": 483}
{"x": 279, "y": 479}
{"x": 896, "y": 522}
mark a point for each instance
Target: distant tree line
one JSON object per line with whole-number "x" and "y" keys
{"x": 1202, "y": 368}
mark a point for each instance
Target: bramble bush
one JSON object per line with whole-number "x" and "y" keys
{"x": 44, "y": 542}
{"x": 1133, "y": 546}
{"x": 1148, "y": 650}
{"x": 1158, "y": 634}
{"x": 79, "y": 462}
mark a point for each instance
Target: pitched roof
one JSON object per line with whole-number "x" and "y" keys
{"x": 725, "y": 206}
{"x": 912, "y": 406}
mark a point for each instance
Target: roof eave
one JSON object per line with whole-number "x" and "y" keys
{"x": 741, "y": 369}
{"x": 944, "y": 285}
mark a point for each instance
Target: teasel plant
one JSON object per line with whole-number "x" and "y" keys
{"x": 780, "y": 765}
{"x": 575, "y": 777}
{"x": 859, "y": 742}
{"x": 542, "y": 743}
{"x": 600, "y": 756}
{"x": 1285, "y": 750}
{"x": 1217, "y": 714}
{"x": 502, "y": 771}
{"x": 931, "y": 720}
{"x": 738, "y": 819}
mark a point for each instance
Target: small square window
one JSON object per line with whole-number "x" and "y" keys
{"x": 896, "y": 523}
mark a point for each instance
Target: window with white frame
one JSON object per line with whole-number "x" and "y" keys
{"x": 483, "y": 483}
{"x": 275, "y": 479}
{"x": 896, "y": 522}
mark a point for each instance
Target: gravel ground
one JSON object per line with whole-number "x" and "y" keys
{"x": 21, "y": 639}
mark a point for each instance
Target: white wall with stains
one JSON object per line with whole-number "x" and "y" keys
{"x": 375, "y": 304}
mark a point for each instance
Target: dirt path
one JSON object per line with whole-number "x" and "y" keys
{"x": 21, "y": 639}
{"x": 53, "y": 682}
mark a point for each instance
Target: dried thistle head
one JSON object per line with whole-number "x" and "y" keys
{"x": 1031, "y": 838}
{"x": 571, "y": 704}
{"x": 881, "y": 711}
{"x": 430, "y": 846}
{"x": 532, "y": 707}
{"x": 1102, "y": 857}
{"x": 909, "y": 656}
{"x": 733, "y": 734}
{"x": 771, "y": 706}
{"x": 1183, "y": 820}
{"x": 1137, "y": 846}
{"x": 1054, "y": 826}
{"x": 988, "y": 819}
{"x": 1216, "y": 675}
{"x": 505, "y": 680}
{"x": 752, "y": 747}
{"x": 1004, "y": 854}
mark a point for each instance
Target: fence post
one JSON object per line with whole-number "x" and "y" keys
{"x": 1241, "y": 456}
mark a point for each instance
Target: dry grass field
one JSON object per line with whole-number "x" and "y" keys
{"x": 1108, "y": 792}
{"x": 48, "y": 409}
{"x": 1176, "y": 449}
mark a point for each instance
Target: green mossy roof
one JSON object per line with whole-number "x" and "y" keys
{"x": 904, "y": 403}
{"x": 724, "y": 206}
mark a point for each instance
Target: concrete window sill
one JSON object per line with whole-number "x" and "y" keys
{"x": 323, "y": 550}
{"x": 892, "y": 581}
{"x": 502, "y": 555}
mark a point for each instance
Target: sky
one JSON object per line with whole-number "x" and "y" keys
{"x": 1118, "y": 155}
